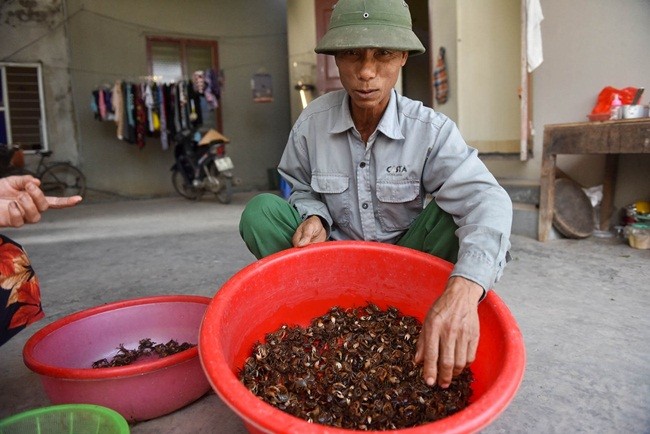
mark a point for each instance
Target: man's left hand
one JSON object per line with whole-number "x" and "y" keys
{"x": 450, "y": 332}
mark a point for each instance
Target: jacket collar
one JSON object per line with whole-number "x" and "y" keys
{"x": 388, "y": 125}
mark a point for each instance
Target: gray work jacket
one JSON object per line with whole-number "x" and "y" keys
{"x": 373, "y": 191}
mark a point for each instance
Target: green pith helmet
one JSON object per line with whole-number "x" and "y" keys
{"x": 370, "y": 24}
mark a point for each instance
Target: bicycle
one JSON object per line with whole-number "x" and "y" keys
{"x": 59, "y": 178}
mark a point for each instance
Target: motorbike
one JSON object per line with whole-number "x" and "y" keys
{"x": 201, "y": 166}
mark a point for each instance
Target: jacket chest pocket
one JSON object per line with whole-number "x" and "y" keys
{"x": 398, "y": 203}
{"x": 334, "y": 188}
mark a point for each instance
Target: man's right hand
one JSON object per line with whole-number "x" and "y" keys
{"x": 309, "y": 232}
{"x": 450, "y": 332}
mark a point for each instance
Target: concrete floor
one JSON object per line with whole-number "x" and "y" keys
{"x": 582, "y": 306}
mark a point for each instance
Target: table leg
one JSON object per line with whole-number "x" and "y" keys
{"x": 546, "y": 196}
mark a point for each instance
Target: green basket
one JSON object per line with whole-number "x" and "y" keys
{"x": 66, "y": 419}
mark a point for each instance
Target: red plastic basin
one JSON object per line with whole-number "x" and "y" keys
{"x": 62, "y": 353}
{"x": 297, "y": 285}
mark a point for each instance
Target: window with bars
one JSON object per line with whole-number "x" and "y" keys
{"x": 175, "y": 59}
{"x": 22, "y": 110}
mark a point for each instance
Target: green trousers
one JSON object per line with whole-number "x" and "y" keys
{"x": 269, "y": 222}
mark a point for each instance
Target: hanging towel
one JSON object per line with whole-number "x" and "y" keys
{"x": 148, "y": 103}
{"x": 164, "y": 139}
{"x": 534, "y": 19}
{"x": 440, "y": 78}
{"x": 94, "y": 104}
{"x": 118, "y": 104}
{"x": 212, "y": 91}
{"x": 140, "y": 116}
{"x": 102, "y": 104}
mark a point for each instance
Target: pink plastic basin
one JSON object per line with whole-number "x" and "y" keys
{"x": 297, "y": 285}
{"x": 62, "y": 353}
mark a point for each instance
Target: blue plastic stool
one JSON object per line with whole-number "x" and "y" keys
{"x": 285, "y": 188}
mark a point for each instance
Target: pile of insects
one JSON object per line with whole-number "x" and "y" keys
{"x": 146, "y": 349}
{"x": 351, "y": 368}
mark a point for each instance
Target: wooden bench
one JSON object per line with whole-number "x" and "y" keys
{"x": 629, "y": 136}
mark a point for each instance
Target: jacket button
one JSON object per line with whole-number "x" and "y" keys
{"x": 362, "y": 164}
{"x": 364, "y": 206}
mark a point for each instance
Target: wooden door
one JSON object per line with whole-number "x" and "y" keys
{"x": 327, "y": 78}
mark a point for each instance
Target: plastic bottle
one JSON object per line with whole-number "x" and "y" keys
{"x": 615, "y": 111}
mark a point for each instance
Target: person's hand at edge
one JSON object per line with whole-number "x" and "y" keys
{"x": 450, "y": 332}
{"x": 22, "y": 201}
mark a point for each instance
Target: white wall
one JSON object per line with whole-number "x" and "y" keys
{"x": 301, "y": 35}
{"x": 488, "y": 50}
{"x": 41, "y": 37}
{"x": 444, "y": 34}
{"x": 588, "y": 45}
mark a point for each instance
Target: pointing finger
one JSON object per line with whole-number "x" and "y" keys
{"x": 62, "y": 202}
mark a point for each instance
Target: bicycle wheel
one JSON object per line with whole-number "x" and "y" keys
{"x": 63, "y": 179}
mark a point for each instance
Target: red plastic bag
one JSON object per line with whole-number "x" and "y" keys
{"x": 606, "y": 96}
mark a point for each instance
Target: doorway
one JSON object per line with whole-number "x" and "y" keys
{"x": 417, "y": 73}
{"x": 483, "y": 45}
{"x": 327, "y": 79}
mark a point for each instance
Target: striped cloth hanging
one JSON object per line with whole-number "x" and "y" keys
{"x": 440, "y": 81}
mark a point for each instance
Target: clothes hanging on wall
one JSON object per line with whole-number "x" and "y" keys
{"x": 153, "y": 109}
{"x": 118, "y": 102}
{"x": 440, "y": 80}
{"x": 140, "y": 116}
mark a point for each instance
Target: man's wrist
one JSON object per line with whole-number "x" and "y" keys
{"x": 476, "y": 291}
{"x": 322, "y": 219}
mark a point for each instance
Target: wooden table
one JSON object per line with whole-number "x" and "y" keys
{"x": 630, "y": 136}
